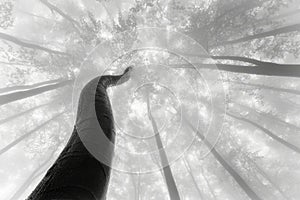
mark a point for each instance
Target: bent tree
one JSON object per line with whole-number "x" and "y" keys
{"x": 77, "y": 174}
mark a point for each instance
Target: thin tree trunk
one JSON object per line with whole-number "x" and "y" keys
{"x": 31, "y": 177}
{"x": 23, "y": 113}
{"x": 275, "y": 32}
{"x": 259, "y": 86}
{"x": 208, "y": 184}
{"x": 269, "y": 133}
{"x": 171, "y": 185}
{"x": 21, "y": 138}
{"x": 266, "y": 176}
{"x": 239, "y": 180}
{"x": 188, "y": 167}
{"x": 82, "y": 169}
{"x": 21, "y": 43}
{"x": 8, "y": 98}
{"x": 266, "y": 70}
{"x": 276, "y": 119}
{"x": 73, "y": 22}
{"x": 25, "y": 87}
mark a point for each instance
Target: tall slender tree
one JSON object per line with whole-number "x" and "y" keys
{"x": 170, "y": 181}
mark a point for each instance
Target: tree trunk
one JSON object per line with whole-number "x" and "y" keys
{"x": 239, "y": 180}
{"x": 21, "y": 43}
{"x": 259, "y": 86}
{"x": 269, "y": 133}
{"x": 8, "y": 98}
{"x": 21, "y": 138}
{"x": 275, "y": 32}
{"x": 266, "y": 70}
{"x": 171, "y": 185}
{"x": 23, "y": 113}
{"x": 79, "y": 173}
{"x": 73, "y": 22}
{"x": 188, "y": 168}
{"x": 26, "y": 87}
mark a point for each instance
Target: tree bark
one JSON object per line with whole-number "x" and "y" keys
{"x": 171, "y": 184}
{"x": 269, "y": 133}
{"x": 8, "y": 98}
{"x": 21, "y": 43}
{"x": 239, "y": 180}
{"x": 275, "y": 32}
{"x": 78, "y": 173}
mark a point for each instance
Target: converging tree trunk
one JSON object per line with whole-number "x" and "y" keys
{"x": 269, "y": 133}
{"x": 77, "y": 173}
{"x": 21, "y": 43}
{"x": 239, "y": 180}
{"x": 8, "y": 98}
{"x": 286, "y": 29}
{"x": 26, "y": 87}
{"x": 171, "y": 185}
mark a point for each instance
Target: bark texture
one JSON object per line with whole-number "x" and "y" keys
{"x": 77, "y": 174}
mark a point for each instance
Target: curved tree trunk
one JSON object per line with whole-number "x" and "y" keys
{"x": 78, "y": 174}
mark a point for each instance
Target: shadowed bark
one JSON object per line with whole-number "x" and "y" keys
{"x": 239, "y": 180}
{"x": 286, "y": 29}
{"x": 21, "y": 138}
{"x": 77, "y": 173}
{"x": 8, "y": 98}
{"x": 19, "y": 42}
{"x": 171, "y": 185}
{"x": 269, "y": 133}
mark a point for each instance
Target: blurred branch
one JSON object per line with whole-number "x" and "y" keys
{"x": 19, "y": 42}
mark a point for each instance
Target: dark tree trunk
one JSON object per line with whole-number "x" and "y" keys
{"x": 286, "y": 29}
{"x": 19, "y": 42}
{"x": 78, "y": 174}
{"x": 240, "y": 181}
{"x": 8, "y": 98}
